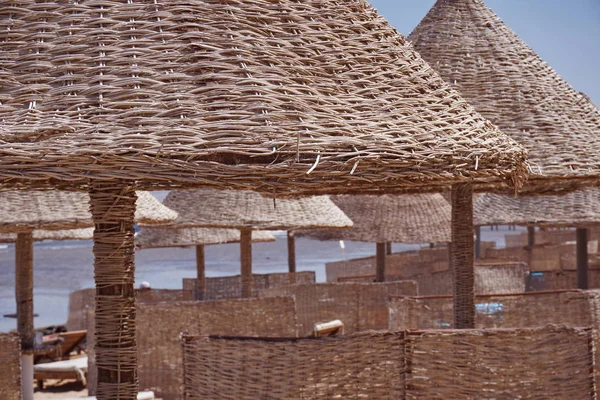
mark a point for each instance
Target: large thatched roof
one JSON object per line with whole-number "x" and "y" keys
{"x": 422, "y": 218}
{"x": 58, "y": 210}
{"x": 151, "y": 237}
{"x": 575, "y": 209}
{"x": 508, "y": 83}
{"x": 306, "y": 97}
{"x": 246, "y": 209}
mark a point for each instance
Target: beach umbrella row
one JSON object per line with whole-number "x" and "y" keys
{"x": 292, "y": 98}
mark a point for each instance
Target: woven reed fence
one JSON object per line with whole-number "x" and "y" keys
{"x": 230, "y": 287}
{"x": 360, "y": 306}
{"x": 10, "y": 367}
{"x": 539, "y": 363}
{"x": 160, "y": 325}
{"x": 561, "y": 280}
{"x": 80, "y": 300}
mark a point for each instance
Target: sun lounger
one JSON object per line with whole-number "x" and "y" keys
{"x": 332, "y": 328}
{"x": 68, "y": 369}
{"x": 141, "y": 396}
{"x": 63, "y": 344}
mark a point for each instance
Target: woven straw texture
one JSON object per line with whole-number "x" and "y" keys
{"x": 418, "y": 218}
{"x": 227, "y": 95}
{"x": 160, "y": 237}
{"x": 230, "y": 287}
{"x": 245, "y": 209}
{"x": 160, "y": 324}
{"x": 58, "y": 210}
{"x": 575, "y": 209}
{"x": 360, "y": 306}
{"x": 508, "y": 83}
{"x": 40, "y": 235}
{"x": 10, "y": 367}
{"x": 540, "y": 363}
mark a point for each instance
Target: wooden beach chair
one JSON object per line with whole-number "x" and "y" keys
{"x": 331, "y": 328}
{"x": 61, "y": 345}
{"x": 75, "y": 369}
{"x": 148, "y": 395}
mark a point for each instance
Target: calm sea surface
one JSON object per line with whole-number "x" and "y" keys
{"x": 64, "y": 266}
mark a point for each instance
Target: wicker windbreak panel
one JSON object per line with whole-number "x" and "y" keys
{"x": 366, "y": 365}
{"x": 10, "y": 367}
{"x": 360, "y": 306}
{"x": 230, "y": 287}
{"x": 538, "y": 363}
{"x": 160, "y": 324}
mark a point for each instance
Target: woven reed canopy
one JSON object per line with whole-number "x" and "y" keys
{"x": 275, "y": 97}
{"x": 24, "y": 211}
{"x": 575, "y": 209}
{"x": 160, "y": 237}
{"x": 246, "y": 209}
{"x": 40, "y": 235}
{"x": 418, "y": 218}
{"x": 508, "y": 83}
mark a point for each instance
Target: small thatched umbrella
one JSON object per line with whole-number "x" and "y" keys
{"x": 248, "y": 211}
{"x": 579, "y": 209}
{"x": 31, "y": 214}
{"x": 304, "y": 98}
{"x": 149, "y": 238}
{"x": 418, "y": 218}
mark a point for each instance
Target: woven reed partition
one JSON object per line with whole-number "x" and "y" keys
{"x": 541, "y": 363}
{"x": 229, "y": 287}
{"x": 360, "y": 306}
{"x": 561, "y": 280}
{"x": 160, "y": 324}
{"x": 10, "y": 367}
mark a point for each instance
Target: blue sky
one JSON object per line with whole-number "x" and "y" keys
{"x": 565, "y": 33}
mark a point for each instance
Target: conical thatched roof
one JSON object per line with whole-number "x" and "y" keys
{"x": 59, "y": 210}
{"x": 40, "y": 235}
{"x": 508, "y": 83}
{"x": 575, "y": 209}
{"x": 422, "y": 218}
{"x": 305, "y": 97}
{"x": 160, "y": 237}
{"x": 245, "y": 209}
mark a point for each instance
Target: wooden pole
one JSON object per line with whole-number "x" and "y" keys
{"x": 380, "y": 257}
{"x": 246, "y": 259}
{"x": 530, "y": 236}
{"x": 582, "y": 258}
{"x": 201, "y": 272}
{"x": 388, "y": 248}
{"x": 478, "y": 242}
{"x": 461, "y": 260}
{"x": 291, "y": 244}
{"x": 113, "y": 208}
{"x": 24, "y": 298}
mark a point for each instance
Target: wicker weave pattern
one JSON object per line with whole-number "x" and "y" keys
{"x": 161, "y": 237}
{"x": 10, "y": 367}
{"x": 203, "y": 93}
{"x": 245, "y": 209}
{"x": 360, "y": 306}
{"x": 575, "y": 209}
{"x": 230, "y": 287}
{"x": 513, "y": 87}
{"x": 539, "y": 363}
{"x": 418, "y": 218}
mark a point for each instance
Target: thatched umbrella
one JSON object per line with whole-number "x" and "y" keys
{"x": 149, "y": 238}
{"x": 507, "y": 82}
{"x": 23, "y": 213}
{"x": 416, "y": 218}
{"x": 248, "y": 211}
{"x": 579, "y": 209}
{"x": 309, "y": 97}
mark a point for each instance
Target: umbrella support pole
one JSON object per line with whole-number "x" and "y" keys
{"x": 291, "y": 245}
{"x": 388, "y": 248}
{"x": 246, "y": 259}
{"x": 201, "y": 272}
{"x": 461, "y": 256}
{"x": 113, "y": 208}
{"x": 380, "y": 258}
{"x": 478, "y": 242}
{"x": 24, "y": 297}
{"x": 582, "y": 258}
{"x": 530, "y": 236}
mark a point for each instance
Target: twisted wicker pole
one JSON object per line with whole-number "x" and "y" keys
{"x": 113, "y": 208}
{"x": 24, "y": 297}
{"x": 582, "y": 258}
{"x": 246, "y": 259}
{"x": 380, "y": 257}
{"x": 201, "y": 272}
{"x": 461, "y": 256}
